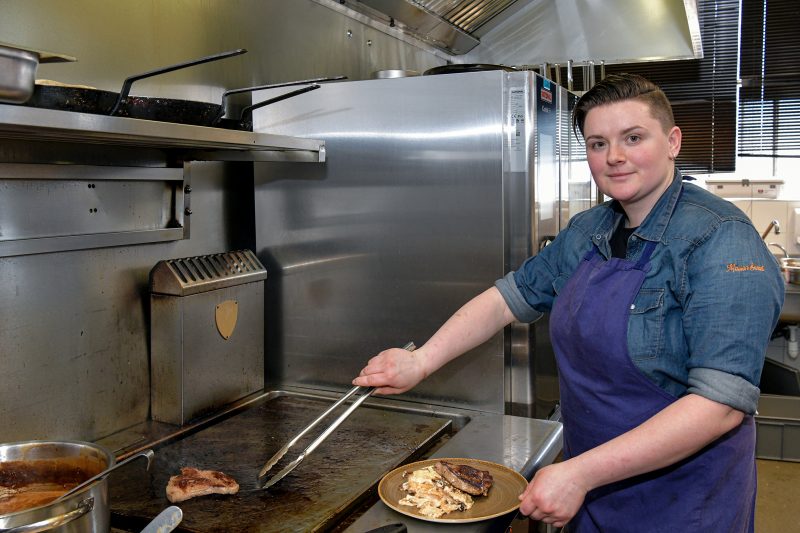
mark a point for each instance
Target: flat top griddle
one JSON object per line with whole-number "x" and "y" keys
{"x": 314, "y": 497}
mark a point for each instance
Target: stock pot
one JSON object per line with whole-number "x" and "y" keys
{"x": 34, "y": 473}
{"x": 791, "y": 270}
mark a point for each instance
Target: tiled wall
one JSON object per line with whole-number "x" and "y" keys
{"x": 786, "y": 212}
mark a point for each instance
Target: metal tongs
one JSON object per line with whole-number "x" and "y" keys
{"x": 262, "y": 476}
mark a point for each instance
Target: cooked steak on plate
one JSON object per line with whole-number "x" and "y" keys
{"x": 432, "y": 495}
{"x": 464, "y": 477}
{"x": 192, "y": 482}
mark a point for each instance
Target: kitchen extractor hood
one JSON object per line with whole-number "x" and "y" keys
{"x": 532, "y": 32}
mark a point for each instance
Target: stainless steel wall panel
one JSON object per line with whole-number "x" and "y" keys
{"x": 388, "y": 239}
{"x": 286, "y": 40}
{"x": 73, "y": 324}
{"x": 56, "y": 207}
{"x": 45, "y": 208}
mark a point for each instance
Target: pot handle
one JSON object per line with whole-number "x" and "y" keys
{"x": 82, "y": 508}
{"x": 126, "y": 85}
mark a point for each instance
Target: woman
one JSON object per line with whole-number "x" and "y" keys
{"x": 662, "y": 303}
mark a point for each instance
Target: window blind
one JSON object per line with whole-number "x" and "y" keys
{"x": 769, "y": 97}
{"x": 702, "y": 91}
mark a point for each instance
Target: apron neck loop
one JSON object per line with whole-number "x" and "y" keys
{"x": 645, "y": 257}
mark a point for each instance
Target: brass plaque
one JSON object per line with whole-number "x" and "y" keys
{"x": 225, "y": 316}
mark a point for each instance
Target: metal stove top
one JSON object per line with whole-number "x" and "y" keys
{"x": 328, "y": 485}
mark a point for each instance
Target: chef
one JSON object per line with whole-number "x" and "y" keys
{"x": 662, "y": 303}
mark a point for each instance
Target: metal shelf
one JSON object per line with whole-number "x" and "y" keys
{"x": 191, "y": 142}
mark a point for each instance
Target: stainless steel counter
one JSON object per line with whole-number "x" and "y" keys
{"x": 524, "y": 444}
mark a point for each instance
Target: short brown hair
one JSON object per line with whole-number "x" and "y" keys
{"x": 620, "y": 87}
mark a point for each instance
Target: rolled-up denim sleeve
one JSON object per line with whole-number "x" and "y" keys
{"x": 528, "y": 291}
{"x": 522, "y": 311}
{"x": 724, "y": 388}
{"x": 733, "y": 301}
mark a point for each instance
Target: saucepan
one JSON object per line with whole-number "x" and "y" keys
{"x": 791, "y": 269}
{"x": 34, "y": 473}
{"x": 18, "y": 67}
{"x": 37, "y": 479}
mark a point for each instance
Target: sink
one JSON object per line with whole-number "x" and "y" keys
{"x": 791, "y": 304}
{"x": 790, "y": 267}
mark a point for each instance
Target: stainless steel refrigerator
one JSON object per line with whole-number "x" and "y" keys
{"x": 433, "y": 188}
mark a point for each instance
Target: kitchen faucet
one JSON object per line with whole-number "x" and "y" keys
{"x": 778, "y": 245}
{"x": 774, "y": 224}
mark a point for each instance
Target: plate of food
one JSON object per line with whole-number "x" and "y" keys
{"x": 452, "y": 490}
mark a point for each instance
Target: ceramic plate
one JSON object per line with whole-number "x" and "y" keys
{"x": 503, "y": 497}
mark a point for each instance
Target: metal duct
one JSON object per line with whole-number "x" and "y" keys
{"x": 467, "y": 15}
{"x": 533, "y": 32}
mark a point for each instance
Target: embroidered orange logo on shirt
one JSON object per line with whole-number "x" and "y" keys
{"x": 733, "y": 267}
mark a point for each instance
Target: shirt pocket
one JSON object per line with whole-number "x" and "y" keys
{"x": 646, "y": 325}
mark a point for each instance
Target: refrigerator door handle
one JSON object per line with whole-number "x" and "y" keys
{"x": 545, "y": 241}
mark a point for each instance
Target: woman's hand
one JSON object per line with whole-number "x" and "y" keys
{"x": 396, "y": 370}
{"x": 554, "y": 495}
{"x": 393, "y": 371}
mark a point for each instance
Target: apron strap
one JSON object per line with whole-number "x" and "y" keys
{"x": 645, "y": 258}
{"x": 592, "y": 251}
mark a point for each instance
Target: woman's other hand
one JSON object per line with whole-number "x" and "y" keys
{"x": 393, "y": 371}
{"x": 554, "y": 495}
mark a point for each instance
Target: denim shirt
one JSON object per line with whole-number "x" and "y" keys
{"x": 702, "y": 319}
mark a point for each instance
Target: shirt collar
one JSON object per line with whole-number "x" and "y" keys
{"x": 655, "y": 223}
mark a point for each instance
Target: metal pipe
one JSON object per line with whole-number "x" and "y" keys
{"x": 774, "y": 224}
{"x": 588, "y": 75}
{"x": 557, "y": 69}
{"x": 569, "y": 74}
{"x": 544, "y": 70}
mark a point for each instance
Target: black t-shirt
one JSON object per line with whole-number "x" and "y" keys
{"x": 619, "y": 240}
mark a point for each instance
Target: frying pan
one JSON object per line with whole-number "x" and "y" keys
{"x": 95, "y": 101}
{"x": 465, "y": 67}
{"x": 245, "y": 119}
{"x": 208, "y": 114}
{"x": 99, "y": 102}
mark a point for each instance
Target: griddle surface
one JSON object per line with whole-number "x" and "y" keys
{"x": 313, "y": 497}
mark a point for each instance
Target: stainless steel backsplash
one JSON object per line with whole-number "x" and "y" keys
{"x": 73, "y": 324}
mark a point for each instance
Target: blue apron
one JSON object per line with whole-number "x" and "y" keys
{"x": 603, "y": 394}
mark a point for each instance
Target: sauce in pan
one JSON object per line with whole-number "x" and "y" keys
{"x": 29, "y": 497}
{"x": 28, "y": 484}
